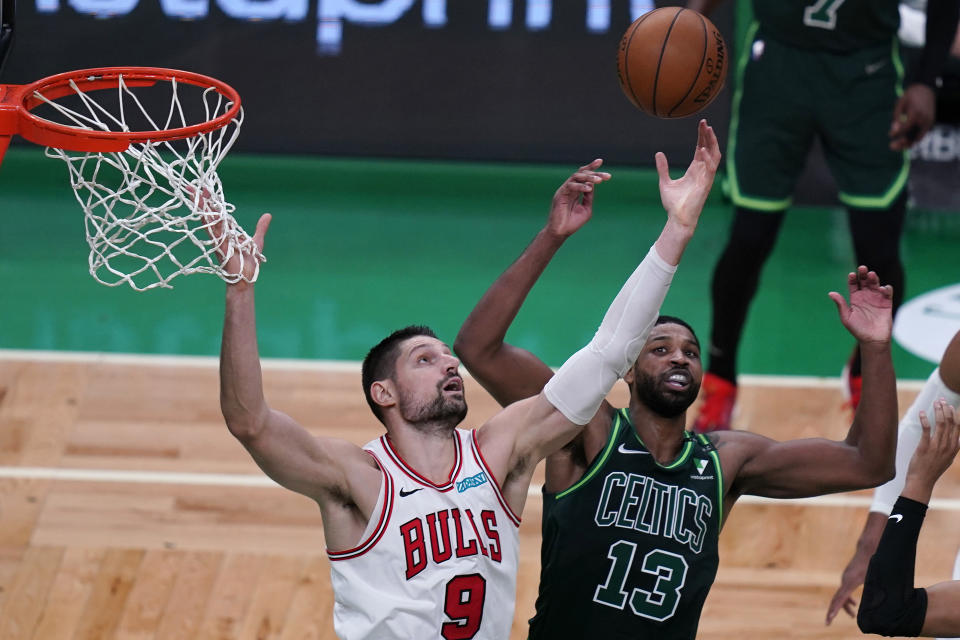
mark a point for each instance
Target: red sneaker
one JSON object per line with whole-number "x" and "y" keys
{"x": 716, "y": 410}
{"x": 851, "y": 387}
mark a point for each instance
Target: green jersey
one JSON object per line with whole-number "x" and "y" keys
{"x": 630, "y": 551}
{"x": 828, "y": 25}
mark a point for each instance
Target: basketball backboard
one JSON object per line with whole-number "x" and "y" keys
{"x": 7, "y": 12}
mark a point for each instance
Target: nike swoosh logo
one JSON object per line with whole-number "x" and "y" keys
{"x": 896, "y": 517}
{"x": 621, "y": 449}
{"x": 873, "y": 68}
{"x": 404, "y": 493}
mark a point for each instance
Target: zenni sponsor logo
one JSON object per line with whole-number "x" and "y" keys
{"x": 471, "y": 482}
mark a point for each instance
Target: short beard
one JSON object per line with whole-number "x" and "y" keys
{"x": 440, "y": 414}
{"x": 668, "y": 403}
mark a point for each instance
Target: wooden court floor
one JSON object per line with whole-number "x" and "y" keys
{"x": 128, "y": 511}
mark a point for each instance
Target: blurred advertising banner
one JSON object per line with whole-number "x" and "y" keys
{"x": 507, "y": 80}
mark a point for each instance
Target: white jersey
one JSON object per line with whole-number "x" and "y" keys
{"x": 436, "y": 560}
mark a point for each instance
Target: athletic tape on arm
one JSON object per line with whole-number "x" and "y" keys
{"x": 587, "y": 376}
{"x": 908, "y": 438}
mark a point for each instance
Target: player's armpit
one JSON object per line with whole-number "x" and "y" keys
{"x": 525, "y": 433}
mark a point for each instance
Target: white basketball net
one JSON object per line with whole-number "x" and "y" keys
{"x": 155, "y": 210}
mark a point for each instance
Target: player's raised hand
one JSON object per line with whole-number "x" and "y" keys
{"x": 935, "y": 452}
{"x": 243, "y": 260}
{"x": 684, "y": 198}
{"x": 240, "y": 256}
{"x": 572, "y": 204}
{"x": 869, "y": 314}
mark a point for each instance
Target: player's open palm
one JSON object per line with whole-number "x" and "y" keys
{"x": 572, "y": 204}
{"x": 684, "y": 198}
{"x": 869, "y": 314}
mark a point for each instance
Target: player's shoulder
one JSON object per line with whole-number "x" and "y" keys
{"x": 353, "y": 454}
{"x": 734, "y": 446}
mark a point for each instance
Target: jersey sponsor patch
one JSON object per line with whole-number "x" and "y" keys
{"x": 471, "y": 482}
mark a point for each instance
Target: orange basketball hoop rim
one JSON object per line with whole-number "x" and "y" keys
{"x": 18, "y": 101}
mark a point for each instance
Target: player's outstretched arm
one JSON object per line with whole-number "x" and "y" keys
{"x": 510, "y": 373}
{"x": 891, "y": 605}
{"x": 581, "y": 384}
{"x": 524, "y": 433}
{"x": 285, "y": 451}
{"x": 865, "y": 458}
{"x": 944, "y": 383}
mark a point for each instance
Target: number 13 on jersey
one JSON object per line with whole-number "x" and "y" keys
{"x": 669, "y": 571}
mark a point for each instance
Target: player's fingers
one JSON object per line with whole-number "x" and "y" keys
{"x": 262, "y": 225}
{"x": 840, "y": 301}
{"x": 713, "y": 145}
{"x": 663, "y": 169}
{"x": 702, "y": 133}
{"x": 954, "y": 427}
{"x": 924, "y": 430}
{"x": 595, "y": 164}
{"x": 896, "y": 122}
{"x": 850, "y": 606}
{"x": 936, "y": 429}
{"x": 950, "y": 419}
{"x": 589, "y": 177}
{"x": 835, "y": 604}
{"x": 588, "y": 199}
{"x": 946, "y": 432}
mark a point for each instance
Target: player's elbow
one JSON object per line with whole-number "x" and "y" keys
{"x": 874, "y": 472}
{"x": 467, "y": 349}
{"x": 882, "y": 473}
{"x": 242, "y": 422}
{"x": 889, "y": 474}
{"x": 461, "y": 347}
{"x": 891, "y": 616}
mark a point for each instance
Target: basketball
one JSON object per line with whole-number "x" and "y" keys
{"x": 672, "y": 62}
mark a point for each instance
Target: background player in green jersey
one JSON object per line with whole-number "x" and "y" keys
{"x": 830, "y": 70}
{"x": 633, "y": 506}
